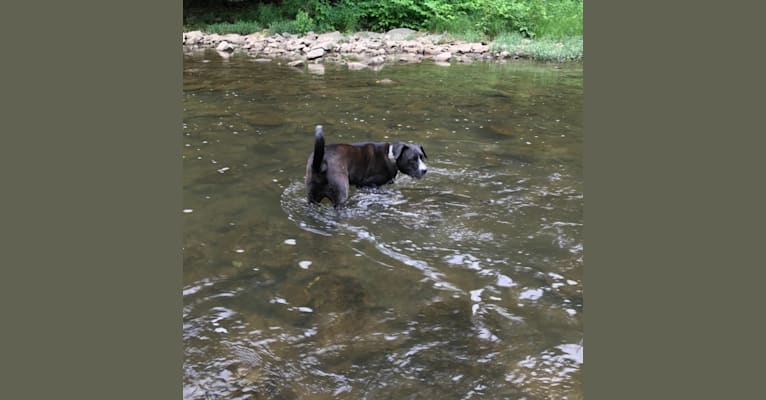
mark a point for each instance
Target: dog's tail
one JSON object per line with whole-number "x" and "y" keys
{"x": 318, "y": 149}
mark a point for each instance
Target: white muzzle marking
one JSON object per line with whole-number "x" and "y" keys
{"x": 422, "y": 166}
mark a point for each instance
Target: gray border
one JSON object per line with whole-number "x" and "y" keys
{"x": 91, "y": 281}
{"x": 670, "y": 296}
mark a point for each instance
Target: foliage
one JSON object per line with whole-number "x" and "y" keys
{"x": 542, "y": 49}
{"x": 240, "y": 27}
{"x": 303, "y": 23}
{"x": 283, "y": 26}
{"x": 467, "y": 18}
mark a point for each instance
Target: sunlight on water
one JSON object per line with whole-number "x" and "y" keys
{"x": 465, "y": 284}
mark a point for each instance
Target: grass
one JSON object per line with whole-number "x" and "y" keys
{"x": 240, "y": 27}
{"x": 283, "y": 26}
{"x": 541, "y": 49}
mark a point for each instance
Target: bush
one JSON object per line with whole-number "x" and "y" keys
{"x": 303, "y": 23}
{"x": 283, "y": 26}
{"x": 240, "y": 27}
{"x": 466, "y": 18}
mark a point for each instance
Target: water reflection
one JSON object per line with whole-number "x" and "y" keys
{"x": 465, "y": 284}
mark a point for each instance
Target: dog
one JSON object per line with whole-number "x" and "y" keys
{"x": 332, "y": 168}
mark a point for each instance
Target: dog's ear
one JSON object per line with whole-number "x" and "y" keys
{"x": 423, "y": 150}
{"x": 395, "y": 150}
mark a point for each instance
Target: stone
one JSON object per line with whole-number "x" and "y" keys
{"x": 224, "y": 46}
{"x": 316, "y": 53}
{"x": 296, "y": 63}
{"x": 377, "y": 60}
{"x": 432, "y": 50}
{"x": 400, "y": 33}
{"x": 234, "y": 38}
{"x": 326, "y": 45}
{"x": 354, "y": 66}
{"x": 316, "y": 69}
{"x": 443, "y": 57}
{"x": 329, "y": 36}
{"x": 462, "y": 48}
{"x": 193, "y": 37}
{"x": 408, "y": 58}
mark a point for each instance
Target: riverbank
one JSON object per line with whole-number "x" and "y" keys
{"x": 370, "y": 49}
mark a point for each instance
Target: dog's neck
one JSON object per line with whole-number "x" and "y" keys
{"x": 391, "y": 162}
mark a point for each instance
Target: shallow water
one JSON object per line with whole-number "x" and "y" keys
{"x": 465, "y": 284}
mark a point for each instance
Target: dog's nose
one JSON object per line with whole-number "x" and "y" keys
{"x": 422, "y": 167}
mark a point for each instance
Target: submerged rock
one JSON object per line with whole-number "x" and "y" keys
{"x": 354, "y": 66}
{"x": 316, "y": 69}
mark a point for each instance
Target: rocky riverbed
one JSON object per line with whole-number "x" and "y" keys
{"x": 357, "y": 51}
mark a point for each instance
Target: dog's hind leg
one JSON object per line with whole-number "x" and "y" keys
{"x": 338, "y": 192}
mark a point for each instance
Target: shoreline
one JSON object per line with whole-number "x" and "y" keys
{"x": 357, "y": 51}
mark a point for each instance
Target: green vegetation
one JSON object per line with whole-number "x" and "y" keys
{"x": 240, "y": 27}
{"x": 543, "y": 49}
{"x": 545, "y": 29}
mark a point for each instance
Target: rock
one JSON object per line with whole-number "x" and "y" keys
{"x": 326, "y": 45}
{"x": 443, "y": 57}
{"x": 432, "y": 50}
{"x": 442, "y": 63}
{"x": 328, "y": 40}
{"x": 329, "y": 36}
{"x": 400, "y": 33}
{"x": 408, "y": 58}
{"x": 462, "y": 48}
{"x": 213, "y": 38}
{"x": 316, "y": 69}
{"x": 373, "y": 50}
{"x": 480, "y": 48}
{"x": 354, "y": 66}
{"x": 464, "y": 59}
{"x": 234, "y": 38}
{"x": 193, "y": 37}
{"x": 385, "y": 81}
{"x": 411, "y": 46}
{"x": 224, "y": 46}
{"x": 295, "y": 45}
{"x": 262, "y": 60}
{"x": 315, "y": 54}
{"x": 377, "y": 60}
{"x": 368, "y": 35}
{"x": 374, "y": 53}
{"x": 372, "y": 44}
{"x": 296, "y": 63}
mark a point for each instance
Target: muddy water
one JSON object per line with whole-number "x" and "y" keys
{"x": 466, "y": 284}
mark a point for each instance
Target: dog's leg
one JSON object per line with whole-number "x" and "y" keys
{"x": 339, "y": 191}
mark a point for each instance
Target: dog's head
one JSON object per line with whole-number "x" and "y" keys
{"x": 409, "y": 158}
